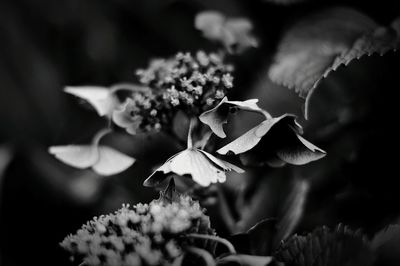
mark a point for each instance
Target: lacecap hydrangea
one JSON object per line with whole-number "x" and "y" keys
{"x": 145, "y": 234}
{"x": 189, "y": 83}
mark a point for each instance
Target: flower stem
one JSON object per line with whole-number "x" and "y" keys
{"x": 193, "y": 122}
{"x": 223, "y": 241}
{"x": 206, "y": 256}
{"x": 127, "y": 86}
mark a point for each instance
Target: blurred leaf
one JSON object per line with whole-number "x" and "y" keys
{"x": 218, "y": 116}
{"x": 277, "y": 139}
{"x": 318, "y": 44}
{"x": 386, "y": 244}
{"x": 328, "y": 247}
{"x": 385, "y": 235}
{"x": 233, "y": 33}
{"x": 101, "y": 98}
{"x": 258, "y": 240}
{"x": 245, "y": 260}
{"x": 103, "y": 160}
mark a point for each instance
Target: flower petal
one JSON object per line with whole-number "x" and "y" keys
{"x": 223, "y": 164}
{"x": 122, "y": 117}
{"x": 99, "y": 97}
{"x": 201, "y": 166}
{"x": 192, "y": 162}
{"x": 216, "y": 117}
{"x": 111, "y": 161}
{"x": 252, "y": 137}
{"x": 299, "y": 151}
{"x": 79, "y": 156}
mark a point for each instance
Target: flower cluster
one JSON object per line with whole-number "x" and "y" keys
{"x": 193, "y": 83}
{"x": 142, "y": 112}
{"x": 190, "y": 83}
{"x": 145, "y": 234}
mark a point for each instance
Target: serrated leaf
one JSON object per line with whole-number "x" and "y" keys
{"x": 216, "y": 117}
{"x": 274, "y": 138}
{"x": 245, "y": 260}
{"x": 321, "y": 43}
{"x": 203, "y": 167}
{"x": 326, "y": 247}
{"x": 102, "y": 159}
{"x": 233, "y": 33}
{"x": 386, "y": 235}
{"x": 101, "y": 98}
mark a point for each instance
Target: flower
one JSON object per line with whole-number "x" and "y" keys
{"x": 141, "y": 113}
{"x": 233, "y": 33}
{"x": 274, "y": 141}
{"x": 188, "y": 82}
{"x": 102, "y": 159}
{"x": 216, "y": 117}
{"x": 145, "y": 234}
{"x": 102, "y": 99}
{"x": 203, "y": 167}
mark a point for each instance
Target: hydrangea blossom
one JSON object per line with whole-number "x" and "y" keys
{"x": 144, "y": 234}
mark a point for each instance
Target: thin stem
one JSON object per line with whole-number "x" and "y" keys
{"x": 223, "y": 241}
{"x": 193, "y": 122}
{"x": 127, "y": 86}
{"x": 208, "y": 259}
{"x": 225, "y": 210}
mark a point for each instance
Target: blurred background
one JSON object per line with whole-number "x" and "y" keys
{"x": 46, "y": 45}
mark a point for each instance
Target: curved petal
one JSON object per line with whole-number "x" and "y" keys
{"x": 111, "y": 161}
{"x": 79, "y": 156}
{"x": 252, "y": 137}
{"x": 100, "y": 98}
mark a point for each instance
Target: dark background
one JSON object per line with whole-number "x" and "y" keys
{"x": 45, "y": 45}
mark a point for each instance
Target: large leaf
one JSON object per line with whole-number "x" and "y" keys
{"x": 320, "y": 43}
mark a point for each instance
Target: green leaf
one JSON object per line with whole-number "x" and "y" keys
{"x": 233, "y": 33}
{"x": 322, "y": 42}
